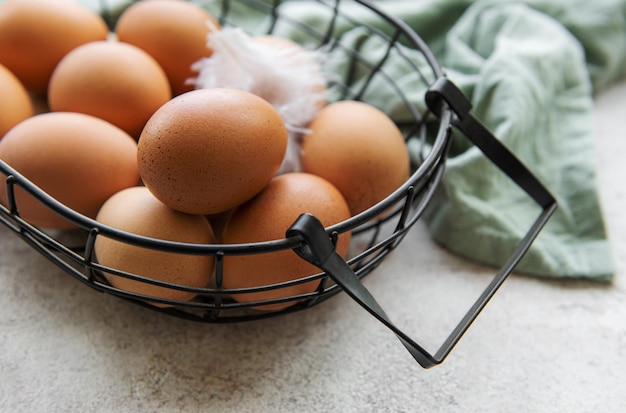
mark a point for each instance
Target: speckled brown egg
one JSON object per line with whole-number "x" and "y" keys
{"x": 210, "y": 150}
{"x": 267, "y": 217}
{"x": 173, "y": 32}
{"x": 36, "y": 34}
{"x": 359, "y": 149}
{"x": 137, "y": 211}
{"x": 15, "y": 103}
{"x": 114, "y": 81}
{"x": 78, "y": 159}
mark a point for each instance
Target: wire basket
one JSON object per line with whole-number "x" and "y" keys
{"x": 427, "y": 127}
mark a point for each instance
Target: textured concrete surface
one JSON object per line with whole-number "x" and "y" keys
{"x": 539, "y": 346}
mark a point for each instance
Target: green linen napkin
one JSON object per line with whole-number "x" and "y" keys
{"x": 531, "y": 82}
{"x": 530, "y": 69}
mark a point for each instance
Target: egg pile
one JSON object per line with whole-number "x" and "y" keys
{"x": 109, "y": 124}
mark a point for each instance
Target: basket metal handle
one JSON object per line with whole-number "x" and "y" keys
{"x": 319, "y": 250}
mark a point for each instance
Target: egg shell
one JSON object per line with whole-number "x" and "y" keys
{"x": 36, "y": 34}
{"x": 15, "y": 103}
{"x": 114, "y": 81}
{"x": 359, "y": 149}
{"x": 173, "y": 32}
{"x": 78, "y": 159}
{"x": 267, "y": 217}
{"x": 210, "y": 150}
{"x": 137, "y": 211}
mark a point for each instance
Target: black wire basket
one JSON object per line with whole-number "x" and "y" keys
{"x": 427, "y": 126}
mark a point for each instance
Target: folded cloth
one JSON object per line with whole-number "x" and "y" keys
{"x": 528, "y": 80}
{"x": 531, "y": 81}
{"x": 530, "y": 69}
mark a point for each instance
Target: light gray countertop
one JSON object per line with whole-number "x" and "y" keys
{"x": 539, "y": 346}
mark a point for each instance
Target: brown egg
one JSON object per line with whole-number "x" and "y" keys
{"x": 173, "y": 32}
{"x": 267, "y": 217}
{"x": 210, "y": 150}
{"x": 36, "y": 34}
{"x": 15, "y": 103}
{"x": 358, "y": 149}
{"x": 78, "y": 159}
{"x": 114, "y": 81}
{"x": 137, "y": 211}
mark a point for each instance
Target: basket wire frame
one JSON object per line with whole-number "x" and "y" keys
{"x": 430, "y": 125}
